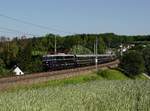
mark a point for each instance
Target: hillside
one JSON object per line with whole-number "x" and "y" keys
{"x": 109, "y": 90}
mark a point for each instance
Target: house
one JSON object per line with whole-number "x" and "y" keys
{"x": 125, "y": 47}
{"x": 17, "y": 71}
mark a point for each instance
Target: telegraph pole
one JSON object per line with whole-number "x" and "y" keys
{"x": 55, "y": 50}
{"x": 96, "y": 58}
{"x": 94, "y": 47}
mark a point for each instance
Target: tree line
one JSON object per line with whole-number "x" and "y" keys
{"x": 27, "y": 52}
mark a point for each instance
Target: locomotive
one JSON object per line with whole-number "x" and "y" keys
{"x": 66, "y": 61}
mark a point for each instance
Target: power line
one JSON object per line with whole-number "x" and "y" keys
{"x": 4, "y": 32}
{"x": 33, "y": 24}
{"x": 11, "y": 32}
{"x": 16, "y": 31}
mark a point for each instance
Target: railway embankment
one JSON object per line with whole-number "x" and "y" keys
{"x": 8, "y": 82}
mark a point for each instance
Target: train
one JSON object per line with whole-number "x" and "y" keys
{"x": 67, "y": 61}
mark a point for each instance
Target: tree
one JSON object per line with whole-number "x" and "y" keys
{"x": 146, "y": 56}
{"x": 132, "y": 63}
{"x": 2, "y": 67}
{"x": 36, "y": 64}
{"x": 25, "y": 57}
{"x": 80, "y": 50}
{"x": 101, "y": 46}
{"x": 9, "y": 54}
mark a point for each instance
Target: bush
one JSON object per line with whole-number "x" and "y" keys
{"x": 132, "y": 63}
{"x": 3, "y": 71}
{"x": 146, "y": 56}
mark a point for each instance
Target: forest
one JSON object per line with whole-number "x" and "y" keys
{"x": 27, "y": 52}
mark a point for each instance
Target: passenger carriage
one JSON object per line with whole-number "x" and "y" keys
{"x": 65, "y": 61}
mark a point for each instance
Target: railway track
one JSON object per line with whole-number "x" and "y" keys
{"x": 45, "y": 76}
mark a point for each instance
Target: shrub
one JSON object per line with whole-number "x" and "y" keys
{"x": 146, "y": 56}
{"x": 132, "y": 62}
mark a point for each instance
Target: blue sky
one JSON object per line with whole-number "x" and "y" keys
{"x": 125, "y": 17}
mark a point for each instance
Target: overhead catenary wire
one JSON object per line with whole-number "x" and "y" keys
{"x": 4, "y": 33}
{"x": 19, "y": 32}
{"x": 35, "y": 25}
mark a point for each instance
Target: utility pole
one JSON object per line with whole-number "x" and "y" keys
{"x": 94, "y": 47}
{"x": 55, "y": 50}
{"x": 96, "y": 58}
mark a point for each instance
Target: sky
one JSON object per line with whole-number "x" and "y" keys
{"x": 65, "y": 17}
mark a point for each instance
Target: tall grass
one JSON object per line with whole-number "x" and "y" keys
{"x": 127, "y": 95}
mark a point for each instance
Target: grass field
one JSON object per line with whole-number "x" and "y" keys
{"x": 91, "y": 92}
{"x": 127, "y": 95}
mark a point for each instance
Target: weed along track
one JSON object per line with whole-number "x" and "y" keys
{"x": 45, "y": 76}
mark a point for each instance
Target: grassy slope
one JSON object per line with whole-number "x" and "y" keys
{"x": 117, "y": 75}
{"x": 62, "y": 82}
{"x": 101, "y": 75}
{"x": 141, "y": 77}
{"x": 112, "y": 75}
{"x": 81, "y": 93}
